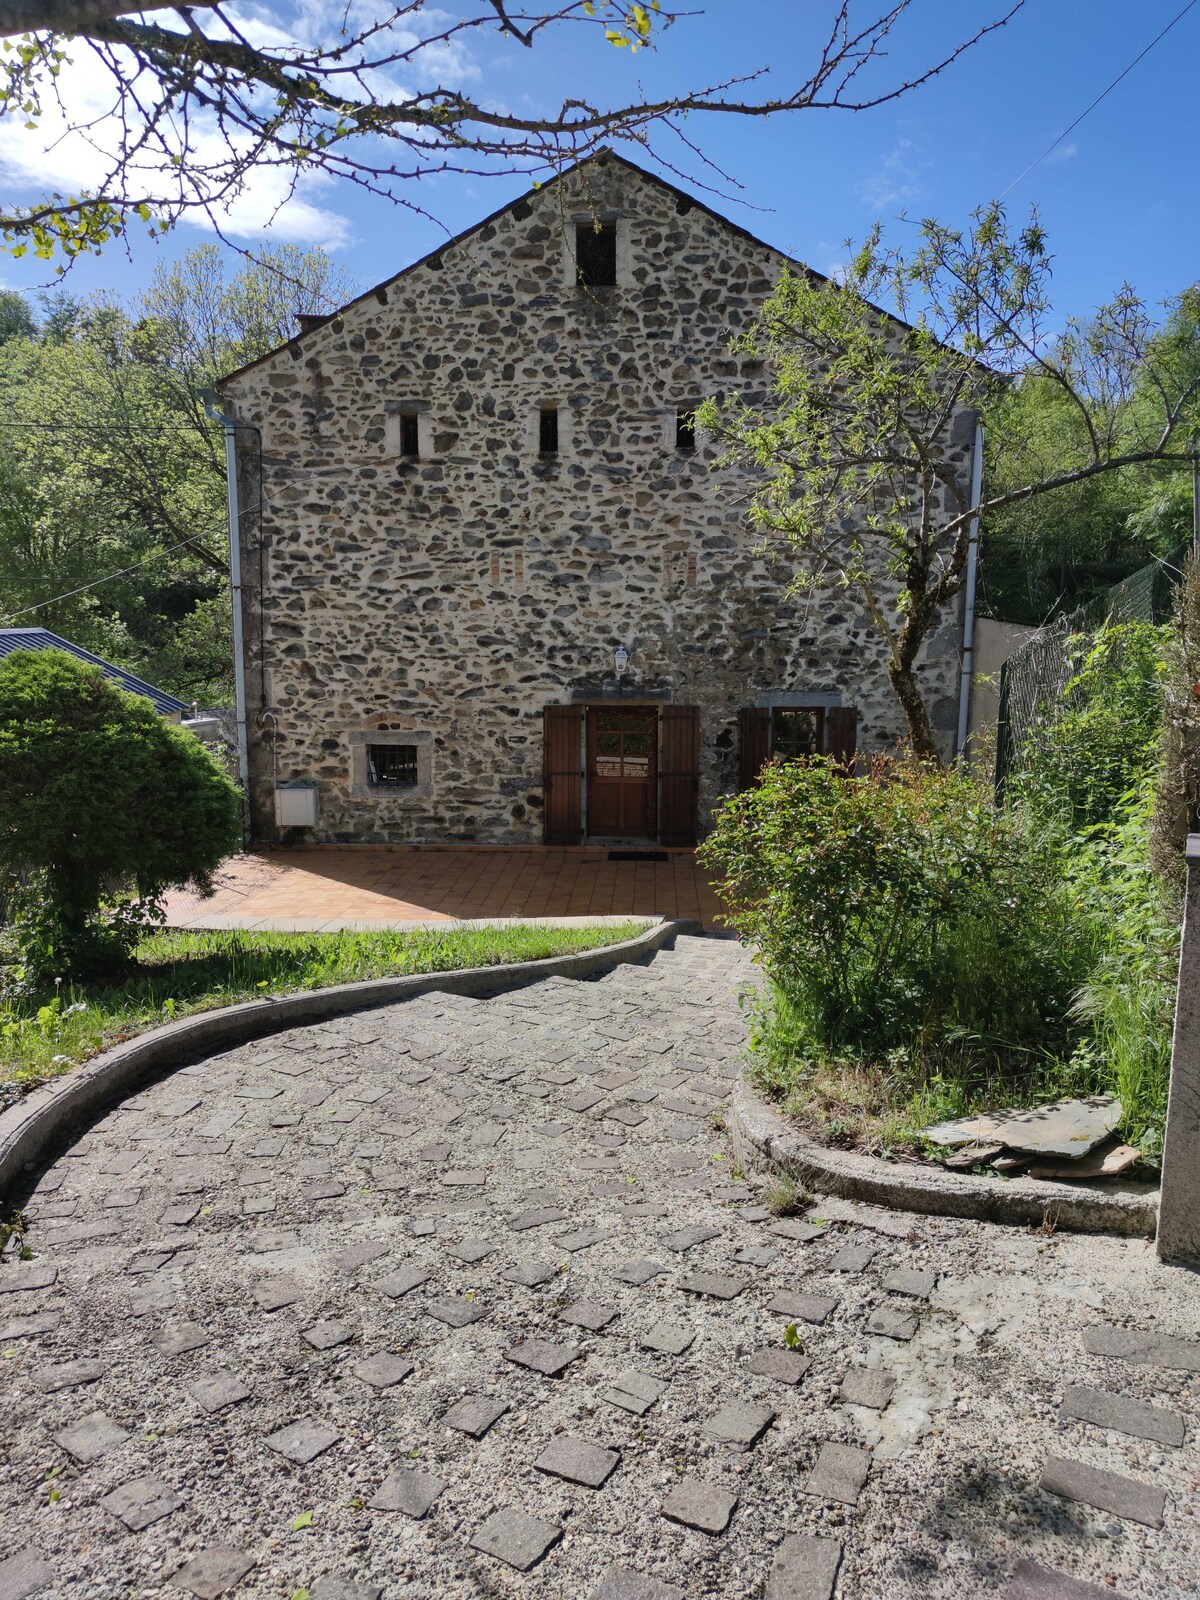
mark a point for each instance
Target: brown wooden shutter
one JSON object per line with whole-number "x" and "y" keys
{"x": 842, "y": 737}
{"x": 562, "y": 774}
{"x": 754, "y": 732}
{"x": 679, "y": 775}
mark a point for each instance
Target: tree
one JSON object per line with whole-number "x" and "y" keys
{"x": 852, "y": 455}
{"x": 99, "y": 796}
{"x": 16, "y": 319}
{"x": 204, "y": 95}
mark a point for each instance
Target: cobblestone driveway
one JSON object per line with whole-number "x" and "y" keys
{"x": 464, "y": 1298}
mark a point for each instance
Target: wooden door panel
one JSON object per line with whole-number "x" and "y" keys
{"x": 622, "y": 752}
{"x": 679, "y": 816}
{"x": 562, "y": 780}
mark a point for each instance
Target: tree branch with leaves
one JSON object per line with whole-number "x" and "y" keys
{"x": 860, "y": 478}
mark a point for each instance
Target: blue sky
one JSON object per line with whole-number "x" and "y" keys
{"x": 1117, "y": 199}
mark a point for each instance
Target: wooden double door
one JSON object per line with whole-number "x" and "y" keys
{"x": 621, "y": 772}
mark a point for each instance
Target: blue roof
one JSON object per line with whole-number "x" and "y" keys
{"x": 13, "y": 639}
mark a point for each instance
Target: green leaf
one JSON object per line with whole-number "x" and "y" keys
{"x": 304, "y": 1520}
{"x": 791, "y": 1337}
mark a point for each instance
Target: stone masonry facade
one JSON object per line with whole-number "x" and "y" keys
{"x": 417, "y": 572}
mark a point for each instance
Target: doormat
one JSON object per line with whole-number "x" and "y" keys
{"x": 638, "y": 855}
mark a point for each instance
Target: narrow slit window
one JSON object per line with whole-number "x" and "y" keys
{"x": 685, "y": 430}
{"x": 548, "y": 430}
{"x": 410, "y": 444}
{"x": 596, "y": 254}
{"x": 392, "y": 766}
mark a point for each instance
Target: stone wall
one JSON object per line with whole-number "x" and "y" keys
{"x": 455, "y": 594}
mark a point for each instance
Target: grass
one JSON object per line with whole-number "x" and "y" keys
{"x": 177, "y": 973}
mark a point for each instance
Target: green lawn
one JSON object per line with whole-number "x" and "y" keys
{"x": 178, "y": 973}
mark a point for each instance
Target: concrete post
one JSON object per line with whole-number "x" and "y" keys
{"x": 1179, "y": 1205}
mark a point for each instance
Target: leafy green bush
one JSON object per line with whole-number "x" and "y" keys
{"x": 1096, "y": 748}
{"x": 103, "y": 806}
{"x": 900, "y": 908}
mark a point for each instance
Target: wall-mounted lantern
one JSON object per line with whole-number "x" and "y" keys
{"x": 621, "y": 659}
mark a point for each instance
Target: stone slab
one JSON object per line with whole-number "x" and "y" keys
{"x": 302, "y": 1441}
{"x": 803, "y": 1307}
{"x": 474, "y": 1414}
{"x": 577, "y": 1461}
{"x": 401, "y": 1282}
{"x": 23, "y": 1277}
{"x": 91, "y": 1436}
{"x": 634, "y": 1391}
{"x": 668, "y": 1338}
{"x": 1066, "y": 1128}
{"x": 1105, "y": 1491}
{"x": 1134, "y": 1417}
{"x": 456, "y": 1311}
{"x": 839, "y": 1473}
{"x": 141, "y": 1502}
{"x": 852, "y": 1258}
{"x": 543, "y": 1356}
{"x": 686, "y": 1238}
{"x": 914, "y": 1281}
{"x": 516, "y": 1538}
{"x": 714, "y": 1285}
{"x": 588, "y": 1314}
{"x": 784, "y": 1366}
{"x": 328, "y": 1335}
{"x": 1143, "y": 1349}
{"x": 384, "y": 1371}
{"x": 213, "y": 1572}
{"x": 889, "y": 1324}
{"x": 739, "y": 1423}
{"x": 409, "y": 1491}
{"x": 805, "y": 1568}
{"x": 637, "y": 1272}
{"x": 214, "y": 1393}
{"x": 622, "y": 1583}
{"x": 867, "y": 1386}
{"x": 1032, "y": 1581}
{"x": 334, "y": 1588}
{"x": 67, "y": 1375}
{"x": 798, "y": 1231}
{"x": 697, "y": 1504}
{"x": 24, "y": 1574}
{"x": 530, "y": 1273}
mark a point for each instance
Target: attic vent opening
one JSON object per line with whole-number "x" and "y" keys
{"x": 409, "y": 437}
{"x": 596, "y": 254}
{"x": 685, "y": 430}
{"x": 548, "y": 430}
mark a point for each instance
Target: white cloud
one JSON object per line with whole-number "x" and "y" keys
{"x": 1062, "y": 152}
{"x": 896, "y": 181}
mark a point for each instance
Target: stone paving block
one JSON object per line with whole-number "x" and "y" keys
{"x": 515, "y": 1537}
{"x": 456, "y": 1311}
{"x": 179, "y": 1338}
{"x": 577, "y": 1461}
{"x": 583, "y": 1101}
{"x": 302, "y": 1441}
{"x": 715, "y": 1285}
{"x": 1032, "y": 1581}
{"x": 627, "y": 1116}
{"x": 803, "y": 1307}
{"x": 1106, "y": 1491}
{"x": 213, "y": 1572}
{"x": 91, "y": 1436}
{"x": 756, "y": 1255}
{"x": 622, "y": 1583}
{"x": 473, "y": 1249}
{"x": 613, "y": 1080}
{"x": 67, "y": 1375}
{"x": 537, "y": 1217}
{"x": 839, "y": 1473}
{"x": 1114, "y": 1411}
{"x": 798, "y": 1231}
{"x": 685, "y": 1238}
{"x": 408, "y": 1490}
{"x": 328, "y": 1335}
{"x": 637, "y": 1272}
{"x": 465, "y": 1177}
{"x": 181, "y": 1215}
{"x": 587, "y": 1314}
{"x": 259, "y": 1205}
{"x": 1143, "y": 1349}
{"x": 355, "y": 1256}
{"x": 634, "y": 1391}
{"x": 785, "y": 1366}
{"x": 668, "y": 1338}
{"x": 852, "y": 1258}
{"x": 334, "y": 1588}
{"x": 217, "y": 1392}
{"x": 740, "y": 1423}
{"x": 322, "y": 1189}
{"x": 141, "y": 1501}
{"x": 24, "y": 1574}
{"x": 867, "y": 1386}
{"x": 889, "y": 1324}
{"x": 530, "y": 1273}
{"x": 25, "y": 1276}
{"x": 30, "y": 1325}
{"x": 385, "y": 1371}
{"x": 542, "y": 1355}
{"x": 401, "y": 1282}
{"x": 805, "y": 1568}
{"x": 475, "y": 1414}
{"x": 913, "y": 1281}
{"x": 705, "y": 1506}
{"x": 273, "y": 1294}
{"x": 583, "y": 1238}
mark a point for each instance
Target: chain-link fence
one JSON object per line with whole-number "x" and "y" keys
{"x": 1034, "y": 680}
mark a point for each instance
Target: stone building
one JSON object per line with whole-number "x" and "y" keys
{"x": 490, "y": 590}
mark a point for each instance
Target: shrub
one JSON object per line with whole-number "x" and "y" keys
{"x": 900, "y": 908}
{"x": 103, "y": 806}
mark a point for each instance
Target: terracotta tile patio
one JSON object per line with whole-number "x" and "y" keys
{"x": 330, "y": 887}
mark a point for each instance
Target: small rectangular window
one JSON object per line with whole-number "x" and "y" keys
{"x": 685, "y": 430}
{"x": 596, "y": 254}
{"x": 392, "y": 766}
{"x": 797, "y": 733}
{"x": 409, "y": 437}
{"x": 548, "y": 430}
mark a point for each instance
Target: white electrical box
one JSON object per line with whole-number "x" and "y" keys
{"x": 296, "y": 806}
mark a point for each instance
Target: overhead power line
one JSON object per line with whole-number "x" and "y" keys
{"x": 96, "y": 582}
{"x": 1101, "y": 96}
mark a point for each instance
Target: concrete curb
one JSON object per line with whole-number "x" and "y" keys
{"x": 762, "y": 1138}
{"x": 29, "y": 1127}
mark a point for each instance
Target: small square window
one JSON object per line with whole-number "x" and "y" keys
{"x": 685, "y": 430}
{"x": 392, "y": 766}
{"x": 410, "y": 444}
{"x": 797, "y": 733}
{"x": 548, "y": 430}
{"x": 596, "y": 254}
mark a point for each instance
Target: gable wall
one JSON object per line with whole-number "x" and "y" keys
{"x": 454, "y": 596}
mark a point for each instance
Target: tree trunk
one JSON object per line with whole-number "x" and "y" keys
{"x": 920, "y": 730}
